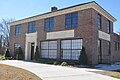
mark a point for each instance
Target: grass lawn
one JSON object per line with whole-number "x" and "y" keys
{"x": 13, "y": 73}
{"x": 115, "y": 74}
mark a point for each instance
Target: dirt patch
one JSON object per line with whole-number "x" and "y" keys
{"x": 115, "y": 74}
{"x": 13, "y": 73}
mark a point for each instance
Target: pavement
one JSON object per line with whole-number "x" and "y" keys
{"x": 53, "y": 72}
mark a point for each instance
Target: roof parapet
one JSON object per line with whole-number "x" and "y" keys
{"x": 67, "y": 10}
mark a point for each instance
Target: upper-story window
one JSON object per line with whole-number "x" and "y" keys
{"x": 71, "y": 20}
{"x": 31, "y": 27}
{"x": 49, "y": 24}
{"x": 18, "y": 30}
{"x": 99, "y": 22}
{"x": 108, "y": 26}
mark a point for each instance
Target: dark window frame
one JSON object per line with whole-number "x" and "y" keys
{"x": 118, "y": 45}
{"x": 115, "y": 45}
{"x": 99, "y": 51}
{"x": 108, "y": 26}
{"x": 18, "y": 30}
{"x": 99, "y": 21}
{"x": 109, "y": 48}
{"x": 61, "y": 50}
{"x": 49, "y": 24}
{"x": 69, "y": 20}
{"x": 31, "y": 27}
{"x": 48, "y": 41}
{"x": 15, "y": 46}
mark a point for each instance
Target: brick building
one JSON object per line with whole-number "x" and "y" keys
{"x": 61, "y": 33}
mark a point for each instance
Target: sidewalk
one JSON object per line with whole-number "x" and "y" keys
{"x": 52, "y": 72}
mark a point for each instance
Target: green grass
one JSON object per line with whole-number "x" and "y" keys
{"x": 114, "y": 74}
{"x": 118, "y": 77}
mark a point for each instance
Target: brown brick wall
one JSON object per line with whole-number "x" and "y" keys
{"x": 17, "y": 39}
{"x": 115, "y": 53}
{"x": 87, "y": 30}
{"x": 107, "y": 58}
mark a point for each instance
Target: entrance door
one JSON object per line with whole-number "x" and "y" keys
{"x": 32, "y": 51}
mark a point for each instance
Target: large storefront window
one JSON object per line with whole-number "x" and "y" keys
{"x": 49, "y": 49}
{"x": 70, "y": 49}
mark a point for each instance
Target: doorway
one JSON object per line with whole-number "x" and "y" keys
{"x": 32, "y": 50}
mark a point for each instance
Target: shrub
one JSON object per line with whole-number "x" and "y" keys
{"x": 19, "y": 54}
{"x": 50, "y": 62}
{"x": 7, "y": 53}
{"x": 56, "y": 62}
{"x": 72, "y": 63}
{"x": 64, "y": 64}
{"x": 2, "y": 58}
{"x": 36, "y": 53}
{"x": 83, "y": 57}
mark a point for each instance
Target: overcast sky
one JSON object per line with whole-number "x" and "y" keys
{"x": 19, "y": 9}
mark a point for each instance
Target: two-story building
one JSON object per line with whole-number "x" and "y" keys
{"x": 61, "y": 33}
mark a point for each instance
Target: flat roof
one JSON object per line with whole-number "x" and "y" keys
{"x": 78, "y": 7}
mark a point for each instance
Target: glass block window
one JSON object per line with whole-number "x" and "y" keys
{"x": 49, "y": 49}
{"x": 18, "y": 30}
{"x": 49, "y": 24}
{"x": 71, "y": 20}
{"x": 32, "y": 27}
{"x": 70, "y": 49}
{"x": 108, "y": 26}
{"x": 99, "y": 22}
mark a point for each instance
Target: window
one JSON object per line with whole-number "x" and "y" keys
{"x": 18, "y": 30}
{"x": 118, "y": 46}
{"x": 99, "y": 47}
{"x": 108, "y": 26}
{"x": 49, "y": 24}
{"x": 115, "y": 44}
{"x": 71, "y": 20}
{"x": 31, "y": 27}
{"x": 49, "y": 49}
{"x": 16, "y": 46}
{"x": 109, "y": 52}
{"x": 99, "y": 22}
{"x": 99, "y": 51}
{"x": 70, "y": 49}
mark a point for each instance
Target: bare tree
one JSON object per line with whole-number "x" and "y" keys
{"x": 4, "y": 32}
